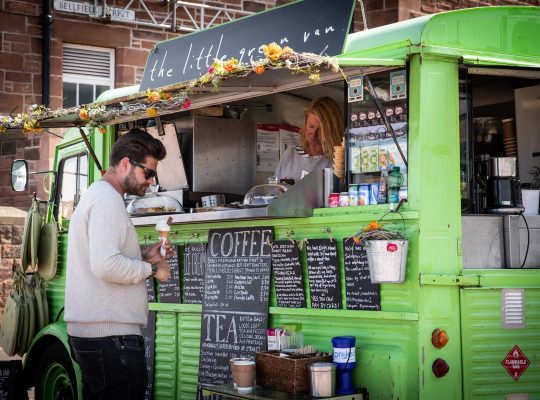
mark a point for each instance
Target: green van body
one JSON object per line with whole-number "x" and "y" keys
{"x": 393, "y": 346}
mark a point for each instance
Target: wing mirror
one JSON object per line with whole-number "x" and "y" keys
{"x": 19, "y": 175}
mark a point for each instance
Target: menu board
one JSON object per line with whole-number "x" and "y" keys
{"x": 194, "y": 267}
{"x": 169, "y": 291}
{"x": 288, "y": 274}
{"x": 149, "y": 334}
{"x": 235, "y": 302}
{"x": 360, "y": 293}
{"x": 323, "y": 273}
{"x": 11, "y": 380}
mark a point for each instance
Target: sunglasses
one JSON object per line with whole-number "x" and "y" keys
{"x": 148, "y": 173}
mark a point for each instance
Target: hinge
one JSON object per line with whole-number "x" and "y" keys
{"x": 450, "y": 280}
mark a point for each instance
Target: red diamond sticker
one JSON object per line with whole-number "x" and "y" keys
{"x": 515, "y": 362}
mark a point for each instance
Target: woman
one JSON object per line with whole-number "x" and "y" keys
{"x": 323, "y": 129}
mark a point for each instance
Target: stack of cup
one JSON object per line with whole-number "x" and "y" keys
{"x": 339, "y": 161}
{"x": 509, "y": 137}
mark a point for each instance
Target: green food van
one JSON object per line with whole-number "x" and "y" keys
{"x": 458, "y": 89}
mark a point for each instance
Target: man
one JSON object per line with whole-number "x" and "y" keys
{"x": 106, "y": 302}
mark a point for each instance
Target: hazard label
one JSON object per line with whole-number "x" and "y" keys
{"x": 515, "y": 362}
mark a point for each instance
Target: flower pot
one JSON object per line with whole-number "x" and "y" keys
{"x": 387, "y": 260}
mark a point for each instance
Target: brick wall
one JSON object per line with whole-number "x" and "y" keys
{"x": 11, "y": 227}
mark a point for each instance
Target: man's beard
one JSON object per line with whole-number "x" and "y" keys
{"x": 131, "y": 186}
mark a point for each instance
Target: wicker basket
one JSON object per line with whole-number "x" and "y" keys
{"x": 288, "y": 374}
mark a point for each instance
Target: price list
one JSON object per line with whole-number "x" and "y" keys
{"x": 235, "y": 301}
{"x": 323, "y": 273}
{"x": 194, "y": 267}
{"x": 288, "y": 274}
{"x": 360, "y": 293}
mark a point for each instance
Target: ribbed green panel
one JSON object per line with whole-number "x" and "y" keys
{"x": 486, "y": 343}
{"x": 189, "y": 329}
{"x": 166, "y": 356}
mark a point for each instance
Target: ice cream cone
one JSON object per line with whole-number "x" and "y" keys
{"x": 163, "y": 228}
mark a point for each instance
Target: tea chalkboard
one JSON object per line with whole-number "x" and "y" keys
{"x": 11, "y": 381}
{"x": 149, "y": 334}
{"x": 169, "y": 291}
{"x": 194, "y": 266}
{"x": 316, "y": 26}
{"x": 323, "y": 273}
{"x": 235, "y": 302}
{"x": 360, "y": 293}
{"x": 288, "y": 274}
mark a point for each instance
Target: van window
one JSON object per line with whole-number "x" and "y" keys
{"x": 73, "y": 183}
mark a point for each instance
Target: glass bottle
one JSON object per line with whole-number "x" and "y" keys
{"x": 383, "y": 184}
{"x": 395, "y": 181}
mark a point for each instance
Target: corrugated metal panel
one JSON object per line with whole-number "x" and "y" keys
{"x": 83, "y": 61}
{"x": 486, "y": 343}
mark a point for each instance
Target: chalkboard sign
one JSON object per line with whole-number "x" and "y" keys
{"x": 11, "y": 381}
{"x": 194, "y": 267}
{"x": 169, "y": 291}
{"x": 323, "y": 273}
{"x": 316, "y": 26}
{"x": 360, "y": 293}
{"x": 149, "y": 335}
{"x": 288, "y": 274}
{"x": 235, "y": 301}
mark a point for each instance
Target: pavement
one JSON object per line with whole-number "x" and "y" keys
{"x": 5, "y": 357}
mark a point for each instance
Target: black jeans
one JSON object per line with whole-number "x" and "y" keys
{"x": 113, "y": 367}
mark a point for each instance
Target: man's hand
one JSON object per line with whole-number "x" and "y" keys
{"x": 163, "y": 271}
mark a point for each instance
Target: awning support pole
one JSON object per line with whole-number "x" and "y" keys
{"x": 91, "y": 150}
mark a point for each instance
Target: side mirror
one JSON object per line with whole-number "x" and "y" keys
{"x": 19, "y": 175}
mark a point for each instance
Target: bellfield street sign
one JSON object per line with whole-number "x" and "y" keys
{"x": 314, "y": 26}
{"x": 75, "y": 7}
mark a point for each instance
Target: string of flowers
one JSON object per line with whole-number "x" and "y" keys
{"x": 152, "y": 102}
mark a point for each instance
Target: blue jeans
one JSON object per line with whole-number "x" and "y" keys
{"x": 112, "y": 367}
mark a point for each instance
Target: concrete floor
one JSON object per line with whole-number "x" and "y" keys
{"x": 5, "y": 357}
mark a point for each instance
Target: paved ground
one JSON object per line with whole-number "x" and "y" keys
{"x": 4, "y": 357}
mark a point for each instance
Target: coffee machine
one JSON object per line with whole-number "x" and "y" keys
{"x": 503, "y": 187}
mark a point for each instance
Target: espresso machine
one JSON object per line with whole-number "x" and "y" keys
{"x": 503, "y": 191}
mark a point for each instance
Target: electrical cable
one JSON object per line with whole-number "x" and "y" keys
{"x": 528, "y": 240}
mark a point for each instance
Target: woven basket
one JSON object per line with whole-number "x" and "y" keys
{"x": 288, "y": 374}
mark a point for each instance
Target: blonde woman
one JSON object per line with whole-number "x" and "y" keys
{"x": 323, "y": 129}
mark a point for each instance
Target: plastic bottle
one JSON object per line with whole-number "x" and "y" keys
{"x": 395, "y": 180}
{"x": 383, "y": 184}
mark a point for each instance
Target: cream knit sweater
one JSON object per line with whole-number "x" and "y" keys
{"x": 105, "y": 277}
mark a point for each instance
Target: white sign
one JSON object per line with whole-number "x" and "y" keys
{"x": 118, "y": 14}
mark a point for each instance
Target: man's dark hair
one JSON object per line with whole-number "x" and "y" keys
{"x": 136, "y": 144}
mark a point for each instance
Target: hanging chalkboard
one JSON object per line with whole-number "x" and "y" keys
{"x": 194, "y": 266}
{"x": 288, "y": 274}
{"x": 169, "y": 291}
{"x": 151, "y": 290}
{"x": 235, "y": 302}
{"x": 316, "y": 26}
{"x": 360, "y": 293}
{"x": 323, "y": 273}
{"x": 12, "y": 385}
{"x": 149, "y": 334}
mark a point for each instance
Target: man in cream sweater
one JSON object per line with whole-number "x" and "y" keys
{"x": 106, "y": 302}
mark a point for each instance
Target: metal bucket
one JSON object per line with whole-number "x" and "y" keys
{"x": 387, "y": 260}
{"x": 322, "y": 379}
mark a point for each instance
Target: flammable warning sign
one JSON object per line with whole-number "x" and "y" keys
{"x": 515, "y": 362}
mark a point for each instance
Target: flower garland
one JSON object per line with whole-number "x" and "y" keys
{"x": 153, "y": 102}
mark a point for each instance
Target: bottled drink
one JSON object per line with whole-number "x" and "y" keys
{"x": 381, "y": 197}
{"x": 395, "y": 180}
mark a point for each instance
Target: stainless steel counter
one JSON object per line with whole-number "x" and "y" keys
{"x": 232, "y": 214}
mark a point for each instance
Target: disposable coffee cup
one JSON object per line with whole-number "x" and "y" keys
{"x": 244, "y": 375}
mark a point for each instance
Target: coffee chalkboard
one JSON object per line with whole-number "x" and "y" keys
{"x": 235, "y": 302}
{"x": 323, "y": 273}
{"x": 194, "y": 267}
{"x": 12, "y": 385}
{"x": 360, "y": 293}
{"x": 288, "y": 274}
{"x": 149, "y": 334}
{"x": 316, "y": 26}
